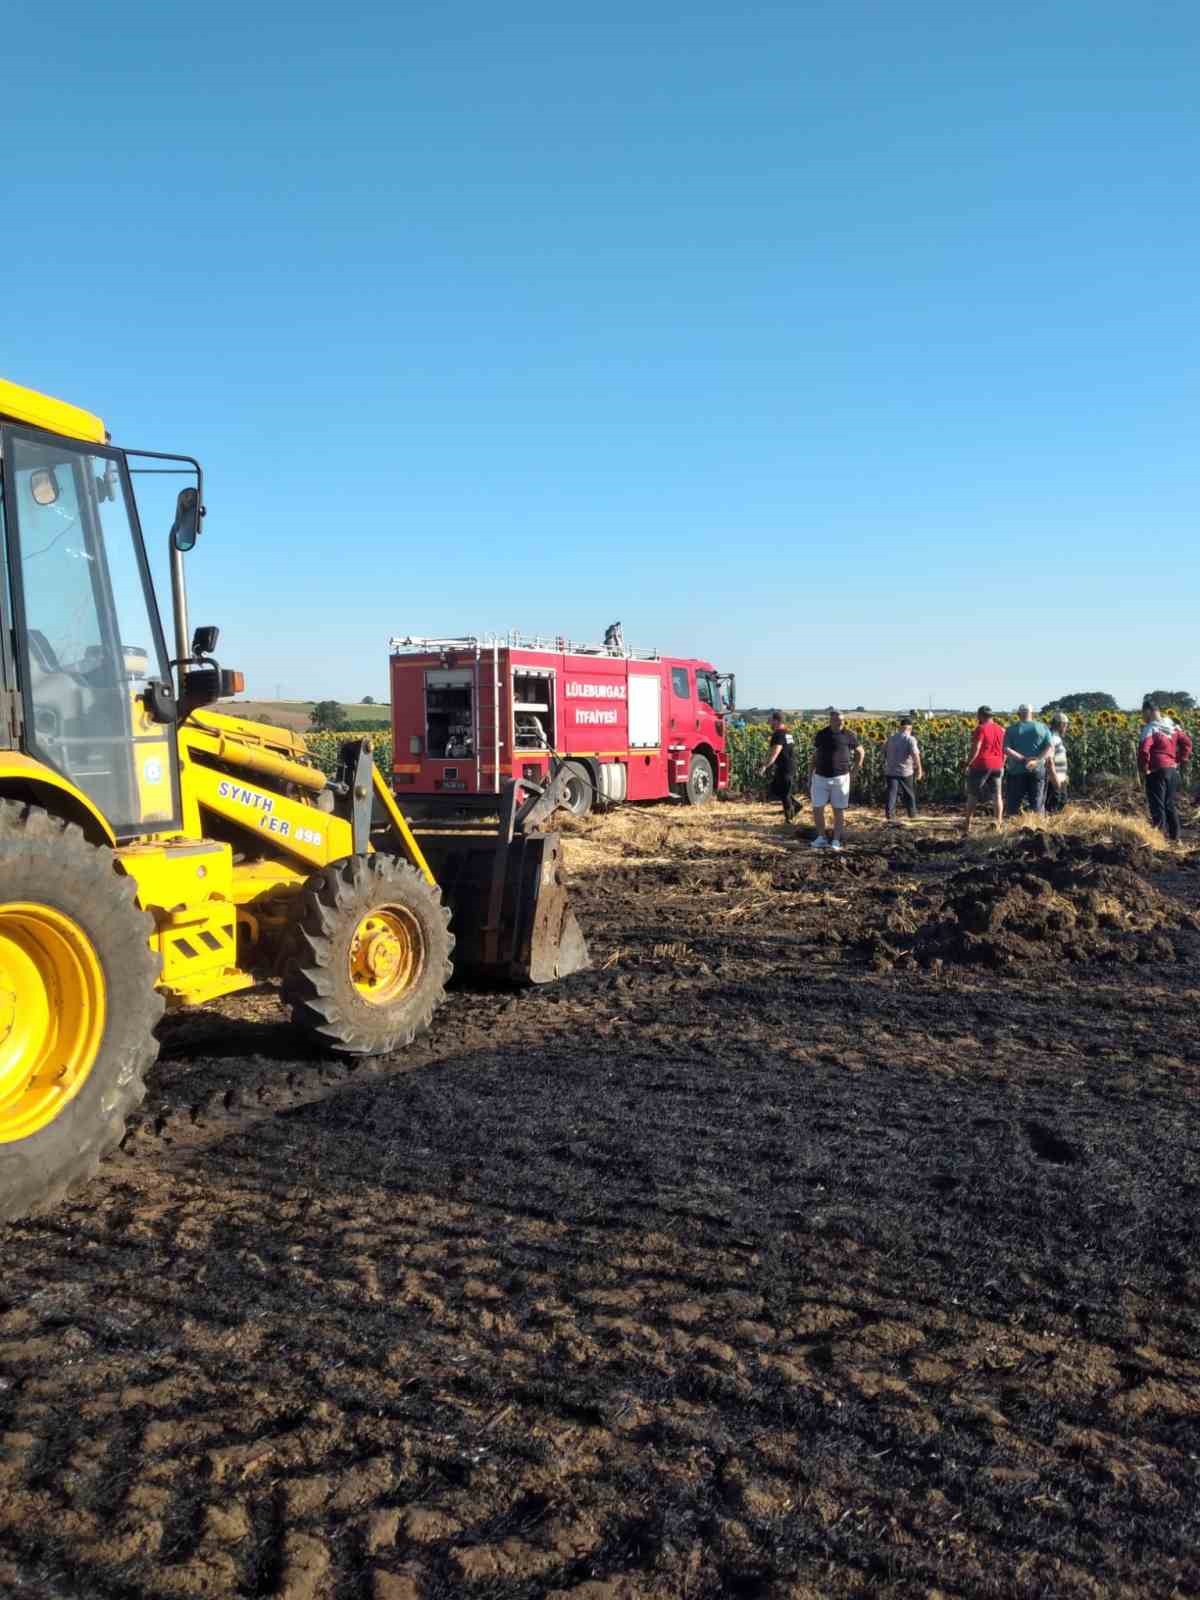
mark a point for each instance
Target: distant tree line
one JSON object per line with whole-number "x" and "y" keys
{"x": 328, "y": 715}
{"x": 1094, "y": 700}
{"x": 331, "y": 716}
{"x": 1180, "y": 699}
{"x": 1090, "y": 700}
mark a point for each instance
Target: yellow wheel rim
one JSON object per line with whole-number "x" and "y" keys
{"x": 52, "y": 1011}
{"x": 387, "y": 953}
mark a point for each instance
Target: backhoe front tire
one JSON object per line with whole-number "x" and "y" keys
{"x": 78, "y": 1007}
{"x": 371, "y": 956}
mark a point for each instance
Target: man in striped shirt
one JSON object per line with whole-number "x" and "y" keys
{"x": 1057, "y": 770}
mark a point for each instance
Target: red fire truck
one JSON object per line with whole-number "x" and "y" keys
{"x": 469, "y": 713}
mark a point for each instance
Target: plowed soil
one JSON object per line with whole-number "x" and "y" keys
{"x": 834, "y": 1235}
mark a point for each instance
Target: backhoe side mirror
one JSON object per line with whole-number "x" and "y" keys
{"x": 185, "y": 530}
{"x": 159, "y": 701}
{"x": 204, "y": 641}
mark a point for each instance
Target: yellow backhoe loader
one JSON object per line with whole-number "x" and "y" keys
{"x": 154, "y": 851}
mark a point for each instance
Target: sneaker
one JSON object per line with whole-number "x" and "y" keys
{"x": 819, "y": 843}
{"x": 837, "y": 845}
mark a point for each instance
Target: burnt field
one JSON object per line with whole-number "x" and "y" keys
{"x": 835, "y": 1235}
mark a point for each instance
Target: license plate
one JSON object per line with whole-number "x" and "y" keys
{"x": 453, "y": 783}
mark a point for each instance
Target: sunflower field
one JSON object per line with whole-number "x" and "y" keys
{"x": 324, "y": 747}
{"x": 1101, "y": 746}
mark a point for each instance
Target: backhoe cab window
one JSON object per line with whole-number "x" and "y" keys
{"x": 89, "y": 643}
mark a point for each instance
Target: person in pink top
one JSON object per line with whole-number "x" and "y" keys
{"x": 985, "y": 767}
{"x": 1163, "y": 747}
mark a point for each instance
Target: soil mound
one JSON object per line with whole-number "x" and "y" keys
{"x": 1041, "y": 899}
{"x": 1127, "y": 851}
{"x": 816, "y": 869}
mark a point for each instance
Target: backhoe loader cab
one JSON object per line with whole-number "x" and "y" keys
{"x": 86, "y": 641}
{"x": 154, "y": 851}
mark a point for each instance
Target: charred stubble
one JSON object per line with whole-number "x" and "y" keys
{"x": 740, "y": 1265}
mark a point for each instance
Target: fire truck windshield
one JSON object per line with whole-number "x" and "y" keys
{"x": 711, "y": 689}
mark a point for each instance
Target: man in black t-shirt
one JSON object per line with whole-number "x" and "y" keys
{"x": 837, "y": 754}
{"x": 781, "y": 764}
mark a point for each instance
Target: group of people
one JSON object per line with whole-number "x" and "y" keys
{"x": 838, "y": 754}
{"x": 1023, "y": 766}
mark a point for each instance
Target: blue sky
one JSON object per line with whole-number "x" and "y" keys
{"x": 852, "y": 346}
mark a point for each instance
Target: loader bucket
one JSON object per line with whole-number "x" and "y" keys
{"x": 508, "y": 904}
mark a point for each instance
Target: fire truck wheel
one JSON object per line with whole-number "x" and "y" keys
{"x": 581, "y": 792}
{"x": 370, "y": 956}
{"x": 700, "y": 786}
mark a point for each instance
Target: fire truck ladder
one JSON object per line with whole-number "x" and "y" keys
{"x": 558, "y": 644}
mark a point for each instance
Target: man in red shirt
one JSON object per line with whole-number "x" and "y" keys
{"x": 985, "y": 767}
{"x": 1163, "y": 747}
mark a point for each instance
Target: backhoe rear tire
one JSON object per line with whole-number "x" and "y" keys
{"x": 371, "y": 956}
{"x": 78, "y": 1007}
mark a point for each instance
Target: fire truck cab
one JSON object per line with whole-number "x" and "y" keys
{"x": 470, "y": 713}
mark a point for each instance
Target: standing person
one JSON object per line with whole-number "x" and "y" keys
{"x": 1026, "y": 746}
{"x": 781, "y": 764}
{"x": 1057, "y": 770}
{"x": 901, "y": 766}
{"x": 836, "y": 754}
{"x": 1163, "y": 747}
{"x": 985, "y": 767}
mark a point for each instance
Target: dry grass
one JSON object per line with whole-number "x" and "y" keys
{"x": 656, "y": 835}
{"x": 1099, "y": 824}
{"x": 634, "y": 836}
{"x": 744, "y": 910}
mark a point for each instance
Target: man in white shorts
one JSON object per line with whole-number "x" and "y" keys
{"x": 837, "y": 754}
